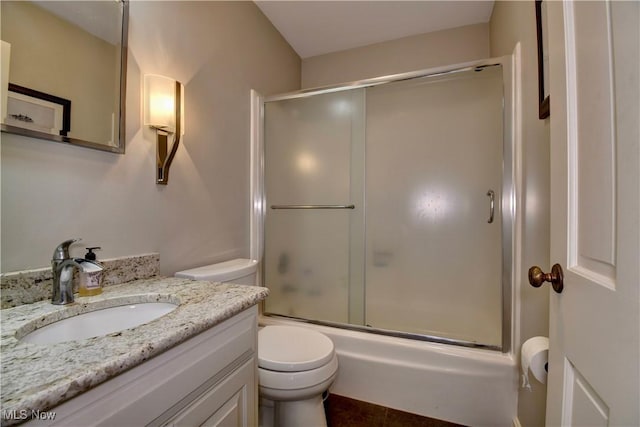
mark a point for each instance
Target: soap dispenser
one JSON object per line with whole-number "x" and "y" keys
{"x": 90, "y": 275}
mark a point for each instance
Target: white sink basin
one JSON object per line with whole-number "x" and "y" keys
{"x": 99, "y": 322}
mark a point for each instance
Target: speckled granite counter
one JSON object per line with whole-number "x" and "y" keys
{"x": 29, "y": 286}
{"x": 39, "y": 377}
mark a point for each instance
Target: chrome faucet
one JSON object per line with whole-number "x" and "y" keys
{"x": 62, "y": 266}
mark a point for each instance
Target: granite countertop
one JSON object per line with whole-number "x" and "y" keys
{"x": 40, "y": 377}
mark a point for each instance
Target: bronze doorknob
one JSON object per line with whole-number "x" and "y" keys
{"x": 537, "y": 277}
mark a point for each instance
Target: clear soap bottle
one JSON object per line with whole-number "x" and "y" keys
{"x": 90, "y": 275}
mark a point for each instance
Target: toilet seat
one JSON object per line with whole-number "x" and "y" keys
{"x": 293, "y": 349}
{"x": 298, "y": 380}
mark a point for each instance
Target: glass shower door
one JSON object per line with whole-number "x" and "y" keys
{"x": 311, "y": 229}
{"x": 434, "y": 155}
{"x": 383, "y": 207}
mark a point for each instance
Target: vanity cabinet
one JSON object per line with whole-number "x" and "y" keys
{"x": 210, "y": 379}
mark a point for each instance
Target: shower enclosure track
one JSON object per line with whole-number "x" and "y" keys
{"x": 390, "y": 333}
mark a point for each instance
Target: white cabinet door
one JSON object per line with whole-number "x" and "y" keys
{"x": 230, "y": 403}
{"x": 594, "y": 365}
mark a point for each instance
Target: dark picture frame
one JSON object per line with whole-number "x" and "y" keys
{"x": 37, "y": 95}
{"x": 543, "y": 93}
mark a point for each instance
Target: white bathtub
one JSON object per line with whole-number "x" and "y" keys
{"x": 466, "y": 386}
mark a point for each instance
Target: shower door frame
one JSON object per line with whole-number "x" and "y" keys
{"x": 508, "y": 203}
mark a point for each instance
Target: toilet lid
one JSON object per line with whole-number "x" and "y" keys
{"x": 292, "y": 348}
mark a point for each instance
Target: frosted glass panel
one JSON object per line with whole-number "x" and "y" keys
{"x": 307, "y": 264}
{"x": 308, "y": 156}
{"x": 433, "y": 262}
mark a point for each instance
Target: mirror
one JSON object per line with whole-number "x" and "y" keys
{"x": 66, "y": 71}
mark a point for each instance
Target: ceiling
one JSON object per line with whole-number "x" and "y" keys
{"x": 318, "y": 27}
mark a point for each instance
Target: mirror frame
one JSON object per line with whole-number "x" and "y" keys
{"x": 543, "y": 95}
{"x": 120, "y": 148}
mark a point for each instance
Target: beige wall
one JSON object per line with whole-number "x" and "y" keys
{"x": 397, "y": 56}
{"x": 51, "y": 192}
{"x": 512, "y": 22}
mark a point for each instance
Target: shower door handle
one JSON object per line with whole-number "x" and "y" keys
{"x": 492, "y": 197}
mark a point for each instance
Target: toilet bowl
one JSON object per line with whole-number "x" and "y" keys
{"x": 296, "y": 365}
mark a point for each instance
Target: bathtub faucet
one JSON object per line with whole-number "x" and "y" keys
{"x": 62, "y": 266}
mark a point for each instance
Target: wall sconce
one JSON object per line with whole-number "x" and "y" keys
{"x": 164, "y": 111}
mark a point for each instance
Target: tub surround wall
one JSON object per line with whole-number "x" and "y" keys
{"x": 29, "y": 286}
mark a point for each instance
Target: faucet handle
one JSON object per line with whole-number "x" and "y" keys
{"x": 62, "y": 251}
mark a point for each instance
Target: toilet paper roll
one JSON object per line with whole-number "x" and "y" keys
{"x": 534, "y": 357}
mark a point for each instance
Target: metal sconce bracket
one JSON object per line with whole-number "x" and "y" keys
{"x": 164, "y": 155}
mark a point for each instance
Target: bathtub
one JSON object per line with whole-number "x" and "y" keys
{"x": 467, "y": 386}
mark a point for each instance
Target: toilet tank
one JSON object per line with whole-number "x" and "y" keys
{"x": 240, "y": 270}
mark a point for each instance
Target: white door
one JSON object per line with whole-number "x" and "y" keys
{"x": 594, "y": 358}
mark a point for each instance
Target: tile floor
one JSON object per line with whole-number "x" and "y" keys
{"x": 345, "y": 412}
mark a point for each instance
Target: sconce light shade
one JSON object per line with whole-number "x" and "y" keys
{"x": 160, "y": 95}
{"x": 164, "y": 111}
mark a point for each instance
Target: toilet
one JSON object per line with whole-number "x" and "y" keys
{"x": 296, "y": 365}
{"x": 240, "y": 271}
